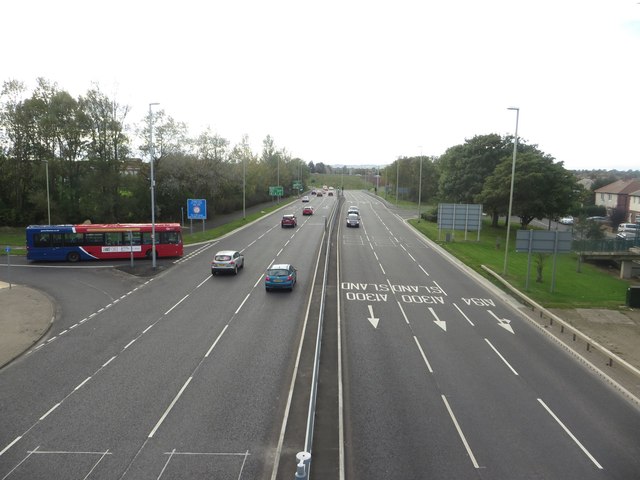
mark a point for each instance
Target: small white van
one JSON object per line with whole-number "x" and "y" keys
{"x": 628, "y": 227}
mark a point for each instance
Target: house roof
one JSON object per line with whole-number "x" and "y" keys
{"x": 621, "y": 187}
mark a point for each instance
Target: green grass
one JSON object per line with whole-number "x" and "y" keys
{"x": 592, "y": 287}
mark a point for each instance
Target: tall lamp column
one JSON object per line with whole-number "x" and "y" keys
{"x": 513, "y": 174}
{"x": 153, "y": 185}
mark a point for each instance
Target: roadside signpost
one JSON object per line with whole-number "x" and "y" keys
{"x": 196, "y": 210}
{"x": 543, "y": 241}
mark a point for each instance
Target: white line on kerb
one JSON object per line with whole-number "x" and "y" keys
{"x": 586, "y": 452}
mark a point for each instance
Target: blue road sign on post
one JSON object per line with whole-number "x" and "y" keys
{"x": 196, "y": 209}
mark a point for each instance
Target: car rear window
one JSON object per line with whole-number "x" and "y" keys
{"x": 277, "y": 273}
{"x": 223, "y": 258}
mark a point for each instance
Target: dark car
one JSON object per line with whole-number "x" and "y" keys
{"x": 289, "y": 221}
{"x": 280, "y": 276}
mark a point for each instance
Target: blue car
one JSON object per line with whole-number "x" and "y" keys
{"x": 280, "y": 276}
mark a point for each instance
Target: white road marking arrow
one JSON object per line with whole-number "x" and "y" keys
{"x": 503, "y": 322}
{"x": 441, "y": 323}
{"x": 374, "y": 321}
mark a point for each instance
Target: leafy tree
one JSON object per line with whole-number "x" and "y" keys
{"x": 464, "y": 168}
{"x": 542, "y": 188}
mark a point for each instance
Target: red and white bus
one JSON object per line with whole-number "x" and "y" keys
{"x": 102, "y": 241}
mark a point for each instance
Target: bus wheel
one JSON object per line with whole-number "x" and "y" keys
{"x": 73, "y": 257}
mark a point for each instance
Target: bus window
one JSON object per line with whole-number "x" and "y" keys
{"x": 171, "y": 237}
{"x": 94, "y": 238}
{"x": 41, "y": 240}
{"x": 73, "y": 239}
{"x": 56, "y": 239}
{"x": 113, "y": 238}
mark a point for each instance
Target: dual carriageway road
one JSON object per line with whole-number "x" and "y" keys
{"x": 428, "y": 372}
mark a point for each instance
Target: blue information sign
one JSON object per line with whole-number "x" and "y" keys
{"x": 196, "y": 209}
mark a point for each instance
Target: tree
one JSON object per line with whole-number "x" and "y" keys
{"x": 464, "y": 168}
{"x": 542, "y": 188}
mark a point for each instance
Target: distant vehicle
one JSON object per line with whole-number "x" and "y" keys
{"x": 305, "y": 199}
{"x": 628, "y": 227}
{"x": 313, "y": 192}
{"x": 330, "y": 194}
{"x": 319, "y": 193}
{"x": 72, "y": 243}
{"x": 353, "y": 220}
{"x": 289, "y": 220}
{"x": 307, "y": 211}
{"x": 227, "y": 261}
{"x": 568, "y": 220}
{"x": 627, "y": 235}
{"x": 280, "y": 276}
{"x": 598, "y": 219}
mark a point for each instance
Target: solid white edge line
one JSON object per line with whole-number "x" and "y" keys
{"x": 164, "y": 415}
{"x": 501, "y": 357}
{"x": 423, "y": 355}
{"x": 568, "y": 432}
{"x": 462, "y": 437}
{"x": 340, "y": 378}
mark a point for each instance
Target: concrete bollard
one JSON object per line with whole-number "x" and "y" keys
{"x": 302, "y": 469}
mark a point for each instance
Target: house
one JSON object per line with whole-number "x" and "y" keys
{"x": 621, "y": 196}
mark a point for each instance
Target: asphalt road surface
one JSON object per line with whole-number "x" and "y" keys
{"x": 427, "y": 371}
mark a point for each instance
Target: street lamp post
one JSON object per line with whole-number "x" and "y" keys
{"x": 46, "y": 169}
{"x": 420, "y": 186}
{"x": 513, "y": 174}
{"x": 153, "y": 184}
{"x": 397, "y": 179}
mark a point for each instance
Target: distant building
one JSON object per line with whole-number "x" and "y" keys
{"x": 621, "y": 195}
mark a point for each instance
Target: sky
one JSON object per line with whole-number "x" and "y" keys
{"x": 351, "y": 82}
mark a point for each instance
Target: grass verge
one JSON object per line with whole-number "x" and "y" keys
{"x": 589, "y": 286}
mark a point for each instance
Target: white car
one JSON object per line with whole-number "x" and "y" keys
{"x": 227, "y": 261}
{"x": 568, "y": 220}
{"x": 305, "y": 198}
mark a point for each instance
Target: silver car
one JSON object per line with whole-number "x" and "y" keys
{"x": 227, "y": 261}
